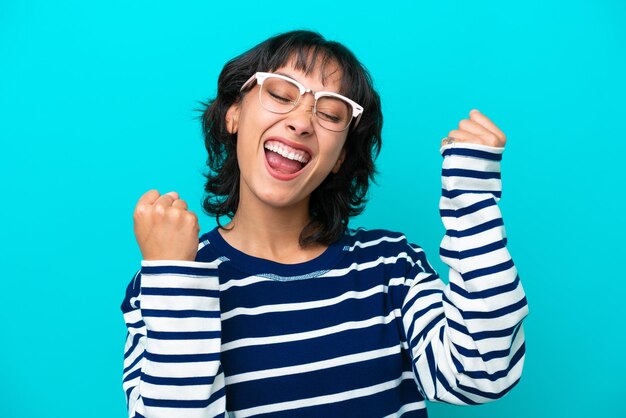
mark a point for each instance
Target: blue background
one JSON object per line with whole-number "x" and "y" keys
{"x": 97, "y": 105}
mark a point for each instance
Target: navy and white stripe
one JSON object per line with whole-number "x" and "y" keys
{"x": 366, "y": 329}
{"x": 171, "y": 362}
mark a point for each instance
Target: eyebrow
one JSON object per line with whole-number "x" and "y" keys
{"x": 289, "y": 76}
{"x": 294, "y": 79}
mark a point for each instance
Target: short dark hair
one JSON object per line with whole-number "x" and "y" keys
{"x": 340, "y": 195}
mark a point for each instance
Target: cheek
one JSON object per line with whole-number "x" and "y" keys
{"x": 253, "y": 118}
{"x": 251, "y": 127}
{"x": 330, "y": 149}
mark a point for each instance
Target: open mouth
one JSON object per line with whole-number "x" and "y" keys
{"x": 284, "y": 159}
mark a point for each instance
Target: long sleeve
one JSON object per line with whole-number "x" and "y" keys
{"x": 466, "y": 339}
{"x": 172, "y": 354}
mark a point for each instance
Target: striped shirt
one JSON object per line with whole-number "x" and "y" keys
{"x": 367, "y": 329}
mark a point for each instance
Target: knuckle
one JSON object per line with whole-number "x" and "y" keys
{"x": 141, "y": 210}
{"x": 174, "y": 214}
{"x": 159, "y": 211}
{"x": 191, "y": 217}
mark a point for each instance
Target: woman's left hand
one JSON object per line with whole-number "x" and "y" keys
{"x": 478, "y": 129}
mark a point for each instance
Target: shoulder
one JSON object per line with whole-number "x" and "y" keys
{"x": 209, "y": 246}
{"x": 389, "y": 250}
{"x": 383, "y": 241}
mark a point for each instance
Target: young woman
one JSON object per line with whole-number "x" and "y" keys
{"x": 287, "y": 312}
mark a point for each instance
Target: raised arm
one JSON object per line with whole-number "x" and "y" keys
{"x": 172, "y": 312}
{"x": 466, "y": 339}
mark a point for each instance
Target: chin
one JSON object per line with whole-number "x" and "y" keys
{"x": 277, "y": 200}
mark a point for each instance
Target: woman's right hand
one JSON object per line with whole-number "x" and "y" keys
{"x": 164, "y": 228}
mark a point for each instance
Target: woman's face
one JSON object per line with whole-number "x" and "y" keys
{"x": 283, "y": 158}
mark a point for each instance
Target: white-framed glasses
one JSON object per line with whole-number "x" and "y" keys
{"x": 281, "y": 94}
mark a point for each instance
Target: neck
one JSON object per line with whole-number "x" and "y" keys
{"x": 272, "y": 233}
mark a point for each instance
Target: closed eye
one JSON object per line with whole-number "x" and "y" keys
{"x": 280, "y": 99}
{"x": 328, "y": 117}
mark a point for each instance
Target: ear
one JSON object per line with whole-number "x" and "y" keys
{"x": 340, "y": 161}
{"x": 232, "y": 118}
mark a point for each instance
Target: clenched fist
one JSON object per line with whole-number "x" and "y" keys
{"x": 164, "y": 228}
{"x": 478, "y": 129}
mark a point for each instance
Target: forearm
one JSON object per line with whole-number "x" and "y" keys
{"x": 483, "y": 277}
{"x": 172, "y": 365}
{"x": 477, "y": 348}
{"x": 484, "y": 303}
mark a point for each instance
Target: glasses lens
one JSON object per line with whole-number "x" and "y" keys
{"x": 278, "y": 95}
{"x": 333, "y": 113}
{"x": 281, "y": 96}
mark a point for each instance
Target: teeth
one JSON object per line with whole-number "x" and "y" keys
{"x": 300, "y": 156}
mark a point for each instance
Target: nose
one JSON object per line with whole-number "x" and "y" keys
{"x": 300, "y": 120}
